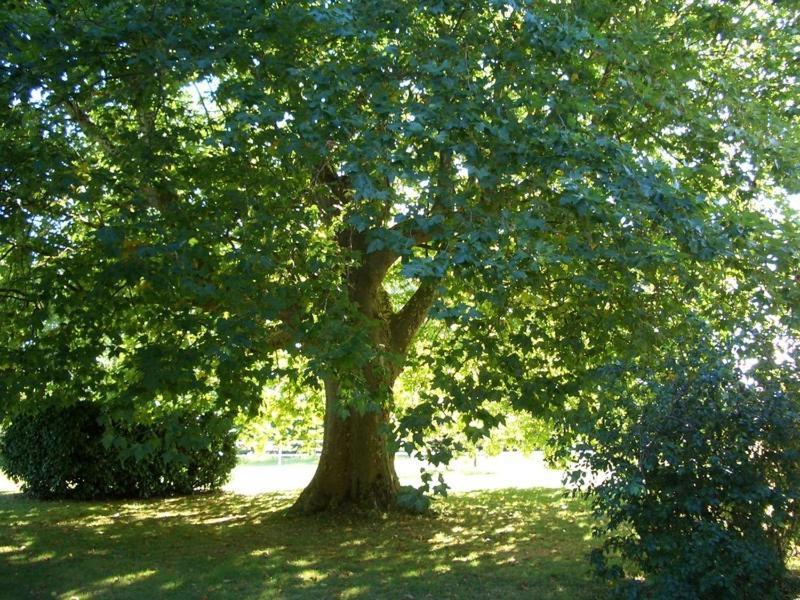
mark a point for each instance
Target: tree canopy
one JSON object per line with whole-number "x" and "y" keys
{"x": 199, "y": 198}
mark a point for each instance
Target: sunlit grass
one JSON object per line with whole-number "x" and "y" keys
{"x": 497, "y": 544}
{"x": 507, "y": 543}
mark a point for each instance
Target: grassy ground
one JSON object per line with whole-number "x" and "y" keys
{"x": 494, "y": 544}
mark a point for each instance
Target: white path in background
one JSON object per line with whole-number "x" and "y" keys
{"x": 507, "y": 470}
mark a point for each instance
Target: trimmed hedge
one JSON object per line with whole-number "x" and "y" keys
{"x": 79, "y": 452}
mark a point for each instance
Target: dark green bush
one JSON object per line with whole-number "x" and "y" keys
{"x": 697, "y": 482}
{"x": 80, "y": 452}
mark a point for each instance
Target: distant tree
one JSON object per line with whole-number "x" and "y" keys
{"x": 510, "y": 194}
{"x": 289, "y": 417}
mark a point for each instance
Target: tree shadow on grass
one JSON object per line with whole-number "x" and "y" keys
{"x": 522, "y": 543}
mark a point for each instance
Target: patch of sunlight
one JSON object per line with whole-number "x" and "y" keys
{"x": 440, "y": 541}
{"x": 117, "y": 581}
{"x": 301, "y": 562}
{"x": 504, "y": 548}
{"x": 92, "y": 520}
{"x": 169, "y": 514}
{"x": 45, "y": 556}
{"x": 353, "y": 592}
{"x": 175, "y": 512}
{"x": 351, "y": 543}
{"x": 172, "y": 585}
{"x": 261, "y": 553}
{"x": 312, "y": 575}
{"x": 218, "y": 520}
{"x": 441, "y": 569}
{"x": 6, "y": 485}
{"x": 128, "y": 578}
{"x": 411, "y": 573}
{"x": 471, "y": 558}
{"x": 506, "y": 529}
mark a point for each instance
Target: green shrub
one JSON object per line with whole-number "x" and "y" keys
{"x": 697, "y": 482}
{"x": 80, "y": 452}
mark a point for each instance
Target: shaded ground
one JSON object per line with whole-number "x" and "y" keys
{"x": 501, "y": 543}
{"x": 495, "y": 544}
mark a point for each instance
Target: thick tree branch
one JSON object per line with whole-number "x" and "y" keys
{"x": 284, "y": 330}
{"x": 17, "y": 294}
{"x": 338, "y": 186}
{"x": 413, "y": 233}
{"x": 405, "y": 323}
{"x": 158, "y": 199}
{"x": 89, "y": 127}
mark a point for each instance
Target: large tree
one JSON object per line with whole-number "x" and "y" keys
{"x": 201, "y": 197}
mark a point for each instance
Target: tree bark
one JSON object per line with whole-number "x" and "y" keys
{"x": 356, "y": 468}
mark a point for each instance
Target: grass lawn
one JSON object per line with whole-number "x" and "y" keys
{"x": 491, "y": 544}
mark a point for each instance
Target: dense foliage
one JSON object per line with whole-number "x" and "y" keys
{"x": 695, "y": 474}
{"x": 200, "y": 197}
{"x": 79, "y": 452}
{"x": 523, "y": 205}
{"x": 289, "y": 418}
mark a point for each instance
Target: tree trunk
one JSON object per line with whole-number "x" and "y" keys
{"x": 356, "y": 468}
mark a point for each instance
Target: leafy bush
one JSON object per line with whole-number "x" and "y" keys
{"x": 697, "y": 481}
{"x": 80, "y": 452}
